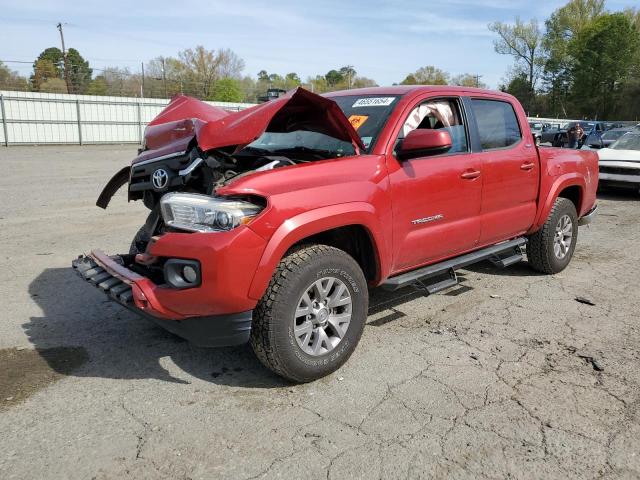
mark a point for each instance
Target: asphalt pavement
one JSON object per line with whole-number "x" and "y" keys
{"x": 511, "y": 374}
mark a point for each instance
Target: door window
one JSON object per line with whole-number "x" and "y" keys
{"x": 441, "y": 114}
{"x": 497, "y": 124}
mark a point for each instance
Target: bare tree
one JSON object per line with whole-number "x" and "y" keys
{"x": 523, "y": 41}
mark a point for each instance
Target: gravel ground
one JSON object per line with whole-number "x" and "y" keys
{"x": 506, "y": 376}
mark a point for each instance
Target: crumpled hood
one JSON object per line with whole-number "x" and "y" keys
{"x": 185, "y": 117}
{"x": 299, "y": 109}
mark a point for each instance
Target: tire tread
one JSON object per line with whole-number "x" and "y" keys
{"x": 538, "y": 254}
{"x": 263, "y": 339}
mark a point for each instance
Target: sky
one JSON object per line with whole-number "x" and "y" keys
{"x": 383, "y": 40}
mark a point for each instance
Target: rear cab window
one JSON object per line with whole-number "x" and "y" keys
{"x": 497, "y": 122}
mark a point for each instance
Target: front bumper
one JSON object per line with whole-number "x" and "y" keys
{"x": 135, "y": 292}
{"x": 611, "y": 171}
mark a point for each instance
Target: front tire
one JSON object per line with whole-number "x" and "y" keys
{"x": 311, "y": 317}
{"x": 550, "y": 249}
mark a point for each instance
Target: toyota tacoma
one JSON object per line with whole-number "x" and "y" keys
{"x": 270, "y": 225}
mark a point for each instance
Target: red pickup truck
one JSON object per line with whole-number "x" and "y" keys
{"x": 270, "y": 225}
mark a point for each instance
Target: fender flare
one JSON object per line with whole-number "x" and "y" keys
{"x": 560, "y": 183}
{"x": 317, "y": 221}
{"x": 117, "y": 181}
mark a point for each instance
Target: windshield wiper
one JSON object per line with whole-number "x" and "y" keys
{"x": 317, "y": 152}
{"x": 255, "y": 151}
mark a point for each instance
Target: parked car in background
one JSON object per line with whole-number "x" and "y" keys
{"x": 597, "y": 141}
{"x": 271, "y": 94}
{"x": 559, "y": 137}
{"x": 552, "y": 133}
{"x": 537, "y": 129}
{"x": 620, "y": 163}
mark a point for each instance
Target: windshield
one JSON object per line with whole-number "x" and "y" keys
{"x": 367, "y": 114}
{"x": 630, "y": 141}
{"x": 613, "y": 135}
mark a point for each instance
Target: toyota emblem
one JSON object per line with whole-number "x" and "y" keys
{"x": 160, "y": 178}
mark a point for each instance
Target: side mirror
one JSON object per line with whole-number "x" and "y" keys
{"x": 424, "y": 142}
{"x": 595, "y": 142}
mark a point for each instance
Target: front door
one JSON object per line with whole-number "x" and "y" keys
{"x": 435, "y": 199}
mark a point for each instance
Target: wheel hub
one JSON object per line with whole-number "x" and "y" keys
{"x": 563, "y": 237}
{"x": 322, "y": 316}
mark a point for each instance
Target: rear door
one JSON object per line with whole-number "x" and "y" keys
{"x": 510, "y": 170}
{"x": 435, "y": 199}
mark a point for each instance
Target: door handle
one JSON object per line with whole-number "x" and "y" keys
{"x": 527, "y": 166}
{"x": 470, "y": 174}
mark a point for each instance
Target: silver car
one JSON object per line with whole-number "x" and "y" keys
{"x": 620, "y": 163}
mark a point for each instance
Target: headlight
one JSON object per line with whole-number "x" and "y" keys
{"x": 201, "y": 213}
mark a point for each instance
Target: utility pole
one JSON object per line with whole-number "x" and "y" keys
{"x": 142, "y": 84}
{"x": 349, "y": 70}
{"x": 164, "y": 79}
{"x": 64, "y": 58}
{"x": 478, "y": 77}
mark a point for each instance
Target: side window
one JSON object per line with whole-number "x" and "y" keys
{"x": 441, "y": 114}
{"x": 497, "y": 124}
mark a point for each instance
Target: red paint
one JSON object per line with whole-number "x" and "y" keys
{"x": 416, "y": 212}
{"x": 426, "y": 140}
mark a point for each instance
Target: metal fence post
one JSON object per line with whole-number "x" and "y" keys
{"x": 139, "y": 123}
{"x": 4, "y": 121}
{"x": 79, "y": 122}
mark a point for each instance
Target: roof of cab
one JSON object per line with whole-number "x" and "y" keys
{"x": 416, "y": 90}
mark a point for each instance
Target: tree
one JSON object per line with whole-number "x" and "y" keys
{"x": 11, "y": 80}
{"x": 79, "y": 72}
{"x": 54, "y": 85}
{"x": 43, "y": 71}
{"x": 98, "y": 86}
{"x": 291, "y": 80}
{"x": 517, "y": 85}
{"x": 468, "y": 80}
{"x": 605, "y": 52}
{"x": 334, "y": 77}
{"x": 428, "y": 75}
{"x": 53, "y": 55}
{"x": 363, "y": 82}
{"x": 348, "y": 74}
{"x": 227, "y": 90}
{"x": 523, "y": 41}
{"x": 318, "y": 84}
{"x": 562, "y": 26}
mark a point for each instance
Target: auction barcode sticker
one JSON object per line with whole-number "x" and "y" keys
{"x": 374, "y": 102}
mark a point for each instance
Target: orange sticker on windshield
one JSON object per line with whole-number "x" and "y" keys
{"x": 357, "y": 121}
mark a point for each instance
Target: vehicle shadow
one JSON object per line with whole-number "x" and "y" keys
{"x": 122, "y": 345}
{"x": 619, "y": 194}
{"x": 521, "y": 269}
{"x": 118, "y": 344}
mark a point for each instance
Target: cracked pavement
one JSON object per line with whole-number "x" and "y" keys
{"x": 506, "y": 375}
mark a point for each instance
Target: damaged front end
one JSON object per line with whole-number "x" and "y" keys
{"x": 194, "y": 258}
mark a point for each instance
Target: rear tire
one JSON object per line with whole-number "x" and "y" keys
{"x": 550, "y": 249}
{"x": 314, "y": 288}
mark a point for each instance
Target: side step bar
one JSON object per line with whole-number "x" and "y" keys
{"x": 502, "y": 254}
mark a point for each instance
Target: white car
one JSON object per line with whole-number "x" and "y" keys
{"x": 620, "y": 163}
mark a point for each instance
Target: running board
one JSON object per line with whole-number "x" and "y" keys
{"x": 442, "y": 268}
